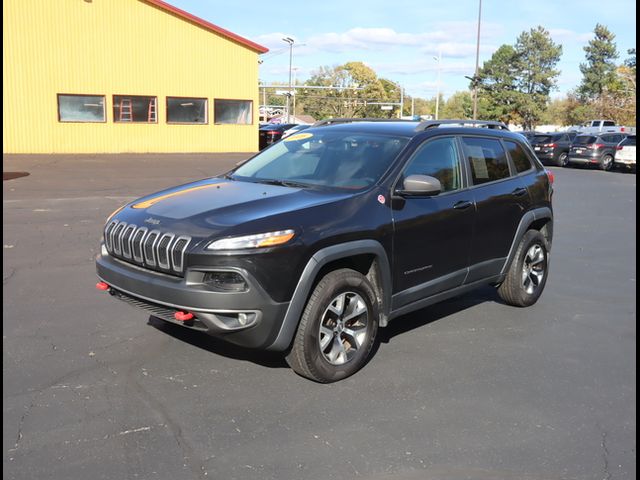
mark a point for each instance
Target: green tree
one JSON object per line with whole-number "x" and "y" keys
{"x": 497, "y": 85}
{"x": 599, "y": 71}
{"x": 515, "y": 83}
{"x": 458, "y": 105}
{"x": 536, "y": 58}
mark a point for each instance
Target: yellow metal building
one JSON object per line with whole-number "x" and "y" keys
{"x": 110, "y": 76}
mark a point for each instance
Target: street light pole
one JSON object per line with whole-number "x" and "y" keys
{"x": 295, "y": 81}
{"x": 290, "y": 41}
{"x": 438, "y": 59}
{"x": 475, "y": 75}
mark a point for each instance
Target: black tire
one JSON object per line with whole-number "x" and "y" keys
{"x": 606, "y": 162}
{"x": 307, "y": 357}
{"x": 526, "y": 279}
{"x": 563, "y": 159}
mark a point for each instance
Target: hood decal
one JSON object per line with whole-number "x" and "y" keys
{"x": 153, "y": 201}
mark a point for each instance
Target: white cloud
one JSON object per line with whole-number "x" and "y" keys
{"x": 563, "y": 35}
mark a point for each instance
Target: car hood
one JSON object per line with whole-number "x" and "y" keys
{"x": 213, "y": 207}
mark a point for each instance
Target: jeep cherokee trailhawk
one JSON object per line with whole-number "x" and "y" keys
{"x": 316, "y": 242}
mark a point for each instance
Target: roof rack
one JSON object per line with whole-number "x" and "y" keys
{"x": 333, "y": 121}
{"x": 492, "y": 124}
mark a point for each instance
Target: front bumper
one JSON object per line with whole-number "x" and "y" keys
{"x": 218, "y": 313}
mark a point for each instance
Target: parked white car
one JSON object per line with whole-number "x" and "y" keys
{"x": 626, "y": 152}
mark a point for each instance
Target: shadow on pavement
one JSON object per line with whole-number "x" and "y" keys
{"x": 399, "y": 326}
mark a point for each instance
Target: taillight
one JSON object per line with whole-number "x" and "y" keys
{"x": 618, "y": 147}
{"x": 550, "y": 176}
{"x": 272, "y": 132}
{"x": 549, "y": 145}
{"x": 596, "y": 146}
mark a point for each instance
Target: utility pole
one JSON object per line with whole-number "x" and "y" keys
{"x": 401, "y": 100}
{"x": 290, "y": 41}
{"x": 295, "y": 81}
{"x": 475, "y": 75}
{"x": 438, "y": 59}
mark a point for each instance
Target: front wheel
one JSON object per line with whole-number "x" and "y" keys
{"x": 527, "y": 274}
{"x": 338, "y": 328}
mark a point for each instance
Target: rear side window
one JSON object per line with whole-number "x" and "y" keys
{"x": 585, "y": 140}
{"x": 609, "y": 124}
{"x": 487, "y": 159}
{"x": 518, "y": 156}
{"x": 542, "y": 139}
{"x": 629, "y": 142}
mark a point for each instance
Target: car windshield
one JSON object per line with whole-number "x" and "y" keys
{"x": 585, "y": 140}
{"x": 324, "y": 158}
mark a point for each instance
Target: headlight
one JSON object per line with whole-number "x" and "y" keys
{"x": 259, "y": 240}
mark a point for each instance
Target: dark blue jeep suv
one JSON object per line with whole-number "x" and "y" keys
{"x": 319, "y": 240}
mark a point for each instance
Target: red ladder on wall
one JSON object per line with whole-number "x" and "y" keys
{"x": 151, "y": 116}
{"x": 126, "y": 110}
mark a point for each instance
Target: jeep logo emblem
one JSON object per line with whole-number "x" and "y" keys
{"x": 152, "y": 221}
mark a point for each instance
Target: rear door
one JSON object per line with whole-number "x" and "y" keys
{"x": 501, "y": 197}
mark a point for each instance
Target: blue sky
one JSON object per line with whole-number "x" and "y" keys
{"x": 399, "y": 38}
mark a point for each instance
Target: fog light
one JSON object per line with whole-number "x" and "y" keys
{"x": 226, "y": 281}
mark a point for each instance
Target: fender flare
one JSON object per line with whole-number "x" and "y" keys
{"x": 308, "y": 277}
{"x": 525, "y": 222}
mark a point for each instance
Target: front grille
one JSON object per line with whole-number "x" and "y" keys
{"x": 161, "y": 251}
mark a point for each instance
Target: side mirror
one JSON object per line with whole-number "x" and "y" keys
{"x": 420, "y": 185}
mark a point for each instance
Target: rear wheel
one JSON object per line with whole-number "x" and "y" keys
{"x": 606, "y": 163}
{"x": 563, "y": 159}
{"x": 337, "y": 329}
{"x": 527, "y": 274}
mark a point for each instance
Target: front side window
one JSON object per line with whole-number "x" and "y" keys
{"x": 324, "y": 158}
{"x": 439, "y": 159}
{"x": 134, "y": 109}
{"x": 81, "y": 108}
{"x": 487, "y": 159}
{"x": 233, "y": 111}
{"x": 518, "y": 156}
{"x": 186, "y": 110}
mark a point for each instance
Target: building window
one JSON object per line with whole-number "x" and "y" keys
{"x": 136, "y": 109}
{"x": 233, "y": 111}
{"x": 81, "y": 108}
{"x": 186, "y": 110}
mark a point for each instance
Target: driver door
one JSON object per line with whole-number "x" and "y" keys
{"x": 432, "y": 234}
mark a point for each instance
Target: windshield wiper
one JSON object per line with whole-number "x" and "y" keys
{"x": 283, "y": 183}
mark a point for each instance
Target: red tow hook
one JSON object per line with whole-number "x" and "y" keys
{"x": 102, "y": 286}
{"x": 183, "y": 316}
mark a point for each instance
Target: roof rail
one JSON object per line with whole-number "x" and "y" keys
{"x": 492, "y": 124}
{"x": 333, "y": 121}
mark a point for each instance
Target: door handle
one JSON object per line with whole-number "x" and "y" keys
{"x": 518, "y": 192}
{"x": 462, "y": 205}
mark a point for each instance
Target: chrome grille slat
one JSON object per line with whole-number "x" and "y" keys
{"x": 149, "y": 248}
{"x": 137, "y": 244}
{"x": 126, "y": 240}
{"x": 163, "y": 250}
{"x": 153, "y": 249}
{"x": 107, "y": 234}
{"x": 117, "y": 238}
{"x": 177, "y": 254}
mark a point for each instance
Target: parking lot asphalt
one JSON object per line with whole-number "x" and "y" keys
{"x": 467, "y": 389}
